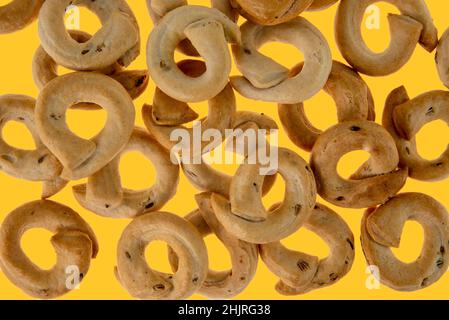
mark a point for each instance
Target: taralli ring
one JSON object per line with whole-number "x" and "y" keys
{"x": 375, "y": 181}
{"x": 139, "y": 279}
{"x": 45, "y": 69}
{"x": 404, "y": 118}
{"x": 352, "y": 97}
{"x": 321, "y": 4}
{"x": 105, "y": 196}
{"x": 82, "y": 158}
{"x": 209, "y": 31}
{"x": 244, "y": 256}
{"x": 244, "y": 215}
{"x": 117, "y": 41}
{"x": 33, "y": 165}
{"x": 300, "y": 272}
{"x": 269, "y": 12}
{"x": 414, "y": 25}
{"x": 73, "y": 240}
{"x": 442, "y": 58}
{"x": 264, "y": 79}
{"x": 18, "y": 14}
{"x": 382, "y": 229}
{"x": 205, "y": 178}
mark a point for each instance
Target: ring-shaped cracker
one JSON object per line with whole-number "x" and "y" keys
{"x": 73, "y": 240}
{"x": 18, "y": 14}
{"x": 299, "y": 272}
{"x": 244, "y": 215}
{"x": 377, "y": 180}
{"x": 352, "y": 98}
{"x": 321, "y": 4}
{"x": 82, "y": 158}
{"x": 209, "y": 31}
{"x": 104, "y": 194}
{"x": 139, "y": 279}
{"x": 414, "y": 25}
{"x": 118, "y": 40}
{"x": 382, "y": 229}
{"x": 264, "y": 79}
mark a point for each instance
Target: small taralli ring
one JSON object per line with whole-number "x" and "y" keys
{"x": 45, "y": 69}
{"x": 403, "y": 118}
{"x": 81, "y": 158}
{"x": 244, "y": 215}
{"x": 321, "y": 4}
{"x": 118, "y": 40}
{"x": 18, "y": 14}
{"x": 159, "y": 8}
{"x": 269, "y": 12}
{"x": 375, "y": 181}
{"x": 209, "y": 31}
{"x": 105, "y": 195}
{"x": 300, "y": 272}
{"x": 414, "y": 25}
{"x": 352, "y": 97}
{"x": 73, "y": 240}
{"x": 139, "y": 279}
{"x": 32, "y": 165}
{"x": 382, "y": 229}
{"x": 264, "y": 79}
{"x": 244, "y": 256}
{"x": 205, "y": 178}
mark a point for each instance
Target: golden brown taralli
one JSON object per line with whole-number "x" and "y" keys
{"x": 321, "y": 4}
{"x": 18, "y": 14}
{"x": 374, "y": 182}
{"x": 382, "y": 229}
{"x": 136, "y": 276}
{"x": 73, "y": 240}
{"x": 442, "y": 58}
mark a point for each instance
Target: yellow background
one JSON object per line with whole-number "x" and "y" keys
{"x": 419, "y": 76}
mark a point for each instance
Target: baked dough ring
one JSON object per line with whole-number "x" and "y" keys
{"x": 264, "y": 79}
{"x": 45, "y": 69}
{"x": 352, "y": 97}
{"x": 375, "y": 181}
{"x": 32, "y": 165}
{"x": 117, "y": 41}
{"x": 413, "y": 26}
{"x": 300, "y": 272}
{"x": 321, "y": 4}
{"x": 244, "y": 256}
{"x": 205, "y": 178}
{"x": 82, "y": 158}
{"x": 159, "y": 8}
{"x": 403, "y": 118}
{"x": 382, "y": 228}
{"x": 442, "y": 58}
{"x": 105, "y": 195}
{"x": 269, "y": 12}
{"x": 139, "y": 279}
{"x": 18, "y": 14}
{"x": 245, "y": 217}
{"x": 209, "y": 30}
{"x": 73, "y": 240}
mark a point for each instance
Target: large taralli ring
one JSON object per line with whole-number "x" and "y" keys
{"x": 33, "y": 165}
{"x": 244, "y": 256}
{"x": 413, "y": 26}
{"x": 375, "y": 181}
{"x": 300, "y": 272}
{"x": 209, "y": 30}
{"x": 352, "y": 97}
{"x": 18, "y": 14}
{"x": 82, "y": 158}
{"x": 264, "y": 79}
{"x": 105, "y": 196}
{"x": 403, "y": 118}
{"x": 382, "y": 228}
{"x": 269, "y": 12}
{"x": 139, "y": 279}
{"x": 117, "y": 41}
{"x": 74, "y": 242}
{"x": 244, "y": 215}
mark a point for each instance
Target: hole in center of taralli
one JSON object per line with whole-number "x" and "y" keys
{"x": 351, "y": 162}
{"x": 86, "y": 123}
{"x": 428, "y": 145}
{"x": 412, "y": 240}
{"x": 16, "y": 134}
{"x": 36, "y": 243}
{"x": 156, "y": 255}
